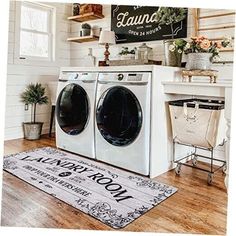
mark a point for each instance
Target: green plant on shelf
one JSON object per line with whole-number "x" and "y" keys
{"x": 125, "y": 51}
{"x": 86, "y": 26}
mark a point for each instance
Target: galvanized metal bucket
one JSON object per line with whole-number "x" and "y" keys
{"x": 199, "y": 61}
{"x": 171, "y": 58}
{"x": 32, "y": 131}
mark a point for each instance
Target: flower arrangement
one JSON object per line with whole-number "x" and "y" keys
{"x": 125, "y": 51}
{"x": 200, "y": 44}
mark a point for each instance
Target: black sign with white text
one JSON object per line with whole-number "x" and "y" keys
{"x": 138, "y": 24}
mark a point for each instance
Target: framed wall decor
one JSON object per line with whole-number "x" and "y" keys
{"x": 139, "y": 24}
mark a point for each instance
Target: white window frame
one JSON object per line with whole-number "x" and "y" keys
{"x": 26, "y": 59}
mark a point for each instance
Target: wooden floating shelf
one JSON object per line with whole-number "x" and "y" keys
{"x": 86, "y": 17}
{"x": 83, "y": 39}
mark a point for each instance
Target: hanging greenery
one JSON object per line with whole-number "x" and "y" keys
{"x": 170, "y": 16}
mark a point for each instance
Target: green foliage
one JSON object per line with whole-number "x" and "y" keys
{"x": 125, "y": 51}
{"x": 170, "y": 15}
{"x": 34, "y": 94}
{"x": 86, "y": 26}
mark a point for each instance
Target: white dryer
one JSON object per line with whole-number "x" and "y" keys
{"x": 75, "y": 112}
{"x": 122, "y": 129}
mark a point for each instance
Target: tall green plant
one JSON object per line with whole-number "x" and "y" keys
{"x": 169, "y": 16}
{"x": 34, "y": 94}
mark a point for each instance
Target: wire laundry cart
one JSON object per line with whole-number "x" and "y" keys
{"x": 200, "y": 124}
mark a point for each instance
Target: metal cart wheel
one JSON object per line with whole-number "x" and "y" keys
{"x": 178, "y": 169}
{"x": 209, "y": 178}
{"x": 194, "y": 161}
{"x": 224, "y": 169}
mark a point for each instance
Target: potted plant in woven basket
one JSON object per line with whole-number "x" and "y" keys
{"x": 170, "y": 16}
{"x": 33, "y": 95}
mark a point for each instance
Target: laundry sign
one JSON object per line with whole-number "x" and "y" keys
{"x": 138, "y": 24}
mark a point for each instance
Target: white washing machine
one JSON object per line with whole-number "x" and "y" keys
{"x": 75, "y": 112}
{"x": 122, "y": 129}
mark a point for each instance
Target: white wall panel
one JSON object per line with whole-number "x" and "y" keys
{"x": 21, "y": 74}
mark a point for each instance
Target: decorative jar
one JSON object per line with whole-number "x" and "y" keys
{"x": 143, "y": 52}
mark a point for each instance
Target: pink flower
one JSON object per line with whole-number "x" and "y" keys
{"x": 205, "y": 44}
{"x": 218, "y": 44}
{"x": 199, "y": 39}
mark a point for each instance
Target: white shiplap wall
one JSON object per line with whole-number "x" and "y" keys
{"x": 19, "y": 75}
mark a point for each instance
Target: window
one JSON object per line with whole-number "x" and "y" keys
{"x": 35, "y": 35}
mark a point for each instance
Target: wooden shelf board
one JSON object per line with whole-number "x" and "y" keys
{"x": 217, "y": 28}
{"x": 216, "y": 15}
{"x": 86, "y": 17}
{"x": 220, "y": 38}
{"x": 83, "y": 39}
{"x": 227, "y": 49}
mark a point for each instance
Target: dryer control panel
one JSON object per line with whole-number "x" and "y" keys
{"x": 132, "y": 77}
{"x": 75, "y": 76}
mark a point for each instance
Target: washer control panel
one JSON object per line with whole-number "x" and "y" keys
{"x": 75, "y": 76}
{"x": 134, "y": 77}
{"x": 119, "y": 77}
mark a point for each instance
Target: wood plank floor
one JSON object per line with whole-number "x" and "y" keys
{"x": 195, "y": 208}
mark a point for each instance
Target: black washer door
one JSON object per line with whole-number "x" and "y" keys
{"x": 72, "y": 109}
{"x": 119, "y": 116}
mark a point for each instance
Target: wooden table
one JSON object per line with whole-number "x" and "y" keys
{"x": 190, "y": 73}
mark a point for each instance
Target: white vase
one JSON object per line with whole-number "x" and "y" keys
{"x": 127, "y": 57}
{"x": 199, "y": 61}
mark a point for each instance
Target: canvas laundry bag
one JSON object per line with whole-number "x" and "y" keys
{"x": 198, "y": 122}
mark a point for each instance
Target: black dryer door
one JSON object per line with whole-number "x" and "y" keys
{"x": 72, "y": 109}
{"x": 119, "y": 116}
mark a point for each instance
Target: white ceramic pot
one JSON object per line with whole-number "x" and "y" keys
{"x": 127, "y": 57}
{"x": 199, "y": 61}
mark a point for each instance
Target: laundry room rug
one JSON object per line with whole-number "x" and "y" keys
{"x": 113, "y": 196}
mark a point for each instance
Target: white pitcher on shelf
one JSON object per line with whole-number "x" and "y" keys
{"x": 89, "y": 59}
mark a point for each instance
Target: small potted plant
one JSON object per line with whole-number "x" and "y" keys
{"x": 125, "y": 54}
{"x": 33, "y": 95}
{"x": 85, "y": 29}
